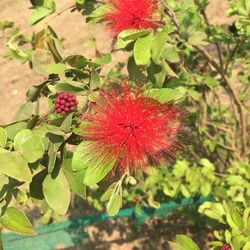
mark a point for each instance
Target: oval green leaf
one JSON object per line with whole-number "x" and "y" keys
{"x": 3, "y": 137}
{"x": 57, "y": 192}
{"x": 16, "y": 221}
{"x": 32, "y": 149}
{"x": 97, "y": 170}
{"x": 142, "y": 50}
{"x": 114, "y": 204}
{"x": 21, "y": 137}
{"x": 13, "y": 165}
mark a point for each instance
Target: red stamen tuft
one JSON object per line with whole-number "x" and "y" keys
{"x": 132, "y": 14}
{"x": 134, "y": 130}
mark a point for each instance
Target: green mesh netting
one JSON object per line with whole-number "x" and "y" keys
{"x": 71, "y": 232}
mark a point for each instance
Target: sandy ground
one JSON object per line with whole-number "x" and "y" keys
{"x": 16, "y": 78}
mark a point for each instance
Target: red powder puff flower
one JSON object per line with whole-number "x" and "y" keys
{"x": 132, "y": 14}
{"x": 132, "y": 130}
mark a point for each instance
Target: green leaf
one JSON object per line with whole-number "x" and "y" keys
{"x": 21, "y": 137}
{"x": 121, "y": 44}
{"x": 168, "y": 69}
{"x": 3, "y": 137}
{"x": 114, "y": 204}
{"x": 14, "y": 128}
{"x": 13, "y": 165}
{"x": 136, "y": 73}
{"x": 25, "y": 111}
{"x": 52, "y": 152}
{"x": 66, "y": 124}
{"x": 165, "y": 94}
{"x": 38, "y": 14}
{"x": 246, "y": 218}
{"x": 213, "y": 210}
{"x": 246, "y": 246}
{"x": 132, "y": 34}
{"x": 176, "y": 246}
{"x": 183, "y": 242}
{"x": 55, "y": 141}
{"x": 156, "y": 74}
{"x": 234, "y": 219}
{"x": 171, "y": 188}
{"x": 104, "y": 59}
{"x": 185, "y": 191}
{"x": 168, "y": 29}
{"x": 70, "y": 86}
{"x": 57, "y": 192}
{"x": 80, "y": 1}
{"x": 152, "y": 202}
{"x": 142, "y": 50}
{"x": 78, "y": 161}
{"x": 211, "y": 82}
{"x": 236, "y": 243}
{"x": 36, "y": 188}
{"x": 34, "y": 92}
{"x": 198, "y": 38}
{"x": 228, "y": 235}
{"x": 16, "y": 221}
{"x": 170, "y": 53}
{"x": 14, "y": 47}
{"x": 75, "y": 179}
{"x": 76, "y": 61}
{"x": 97, "y": 170}
{"x": 33, "y": 149}
{"x": 98, "y": 14}
{"x": 205, "y": 188}
{"x": 106, "y": 196}
{"x": 49, "y": 4}
{"x": 158, "y": 45}
{"x": 50, "y": 129}
{"x": 6, "y": 24}
{"x": 94, "y": 80}
{"x": 55, "y": 68}
{"x": 194, "y": 94}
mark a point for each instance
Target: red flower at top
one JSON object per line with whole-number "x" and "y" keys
{"x": 132, "y": 14}
{"x": 131, "y": 129}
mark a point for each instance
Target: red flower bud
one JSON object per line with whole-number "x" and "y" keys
{"x": 64, "y": 103}
{"x": 225, "y": 247}
{"x": 202, "y": 69}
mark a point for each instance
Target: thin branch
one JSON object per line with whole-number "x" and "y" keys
{"x": 221, "y": 72}
{"x": 217, "y": 45}
{"x": 232, "y": 149}
{"x": 233, "y": 52}
{"x": 232, "y": 92}
{"x": 171, "y": 14}
{"x": 221, "y": 175}
{"x": 60, "y": 12}
{"x": 220, "y": 128}
{"x": 219, "y": 144}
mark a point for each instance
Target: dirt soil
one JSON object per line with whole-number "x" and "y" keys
{"x": 16, "y": 78}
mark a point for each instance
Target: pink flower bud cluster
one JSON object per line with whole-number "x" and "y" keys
{"x": 65, "y": 103}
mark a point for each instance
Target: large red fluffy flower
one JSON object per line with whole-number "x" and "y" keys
{"x": 131, "y": 129}
{"x": 132, "y": 14}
